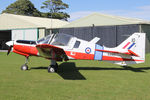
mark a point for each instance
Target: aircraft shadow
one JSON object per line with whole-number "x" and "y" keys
{"x": 141, "y": 69}
{"x": 69, "y": 71}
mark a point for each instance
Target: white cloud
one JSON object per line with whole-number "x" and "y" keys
{"x": 142, "y": 12}
{"x": 145, "y": 7}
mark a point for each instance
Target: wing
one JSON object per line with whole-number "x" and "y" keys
{"x": 51, "y": 52}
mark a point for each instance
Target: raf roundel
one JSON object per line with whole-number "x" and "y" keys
{"x": 88, "y": 50}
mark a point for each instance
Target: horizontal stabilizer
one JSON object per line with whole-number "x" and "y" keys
{"x": 133, "y": 53}
{"x": 127, "y": 53}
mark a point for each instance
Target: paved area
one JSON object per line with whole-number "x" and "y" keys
{"x": 3, "y": 50}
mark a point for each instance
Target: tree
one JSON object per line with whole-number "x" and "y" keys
{"x": 22, "y": 7}
{"x": 55, "y": 8}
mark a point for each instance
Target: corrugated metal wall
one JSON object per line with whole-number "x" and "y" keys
{"x": 124, "y": 31}
{"x": 111, "y": 36}
{"x": 146, "y": 29}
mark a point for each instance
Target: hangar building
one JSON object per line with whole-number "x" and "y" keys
{"x": 14, "y": 27}
{"x": 111, "y": 29}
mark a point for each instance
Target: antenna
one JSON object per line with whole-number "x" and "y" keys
{"x": 51, "y": 3}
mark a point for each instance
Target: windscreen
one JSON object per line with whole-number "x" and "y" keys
{"x": 61, "y": 39}
{"x": 44, "y": 40}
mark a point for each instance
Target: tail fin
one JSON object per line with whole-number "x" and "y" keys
{"x": 135, "y": 44}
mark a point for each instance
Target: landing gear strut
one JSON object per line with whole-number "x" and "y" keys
{"x": 25, "y": 66}
{"x": 53, "y": 67}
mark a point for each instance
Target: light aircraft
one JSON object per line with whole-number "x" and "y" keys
{"x": 63, "y": 47}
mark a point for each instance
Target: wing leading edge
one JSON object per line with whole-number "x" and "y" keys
{"x": 51, "y": 52}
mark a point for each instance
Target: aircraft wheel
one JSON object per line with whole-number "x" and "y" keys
{"x": 53, "y": 68}
{"x": 24, "y": 67}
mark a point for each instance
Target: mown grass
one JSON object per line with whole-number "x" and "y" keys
{"x": 75, "y": 80}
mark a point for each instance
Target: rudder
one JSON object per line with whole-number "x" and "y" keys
{"x": 135, "y": 44}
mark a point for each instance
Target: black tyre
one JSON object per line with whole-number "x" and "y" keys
{"x": 51, "y": 69}
{"x": 24, "y": 67}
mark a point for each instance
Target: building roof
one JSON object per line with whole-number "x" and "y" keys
{"x": 104, "y": 20}
{"x": 11, "y": 21}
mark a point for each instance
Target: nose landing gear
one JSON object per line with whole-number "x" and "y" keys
{"x": 25, "y": 66}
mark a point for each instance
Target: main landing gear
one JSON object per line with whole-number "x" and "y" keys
{"x": 53, "y": 67}
{"x": 25, "y": 66}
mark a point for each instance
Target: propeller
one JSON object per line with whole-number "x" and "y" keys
{"x": 9, "y": 50}
{"x": 10, "y": 44}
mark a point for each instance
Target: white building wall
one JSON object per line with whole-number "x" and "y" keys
{"x": 25, "y": 34}
{"x": 41, "y": 33}
{"x": 31, "y": 34}
{"x": 17, "y": 34}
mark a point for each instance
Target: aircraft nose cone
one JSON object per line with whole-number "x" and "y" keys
{"x": 10, "y": 43}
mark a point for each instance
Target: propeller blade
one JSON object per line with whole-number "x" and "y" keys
{"x": 9, "y": 50}
{"x": 10, "y": 44}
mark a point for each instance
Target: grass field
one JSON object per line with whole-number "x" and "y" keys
{"x": 75, "y": 80}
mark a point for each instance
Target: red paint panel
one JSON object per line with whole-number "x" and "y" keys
{"x": 20, "y": 53}
{"x": 29, "y": 50}
{"x": 108, "y": 58}
{"x": 78, "y": 55}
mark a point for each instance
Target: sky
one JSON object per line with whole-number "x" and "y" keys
{"x": 80, "y": 8}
